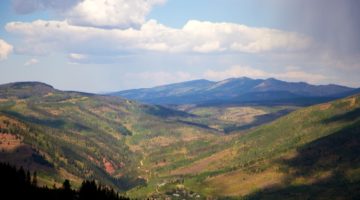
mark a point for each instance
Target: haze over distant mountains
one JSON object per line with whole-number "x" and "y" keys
{"x": 237, "y": 90}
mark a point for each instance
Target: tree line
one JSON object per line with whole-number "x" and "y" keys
{"x": 17, "y": 183}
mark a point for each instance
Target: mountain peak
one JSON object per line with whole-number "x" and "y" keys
{"x": 243, "y": 78}
{"x": 232, "y": 82}
{"x": 273, "y": 80}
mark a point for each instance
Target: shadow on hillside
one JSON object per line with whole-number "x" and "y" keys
{"x": 27, "y": 157}
{"x": 259, "y": 120}
{"x": 199, "y": 125}
{"x": 341, "y": 149}
{"x": 348, "y": 116}
{"x": 329, "y": 162}
{"x": 164, "y": 112}
{"x": 53, "y": 123}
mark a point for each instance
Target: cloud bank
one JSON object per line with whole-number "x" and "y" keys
{"x": 194, "y": 37}
{"x": 93, "y": 28}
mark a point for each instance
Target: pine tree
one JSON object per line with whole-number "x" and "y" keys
{"x": 28, "y": 178}
{"x": 34, "y": 180}
{"x": 66, "y": 185}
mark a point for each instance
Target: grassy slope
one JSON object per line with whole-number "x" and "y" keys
{"x": 75, "y": 135}
{"x": 231, "y": 118}
{"x": 312, "y": 152}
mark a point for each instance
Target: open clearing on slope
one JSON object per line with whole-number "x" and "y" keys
{"x": 240, "y": 183}
{"x": 212, "y": 162}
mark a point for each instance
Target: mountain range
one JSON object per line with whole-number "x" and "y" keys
{"x": 238, "y": 91}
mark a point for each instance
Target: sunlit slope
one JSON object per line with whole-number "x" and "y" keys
{"x": 83, "y": 136}
{"x": 313, "y": 152}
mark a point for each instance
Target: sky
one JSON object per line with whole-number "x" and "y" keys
{"x": 112, "y": 45}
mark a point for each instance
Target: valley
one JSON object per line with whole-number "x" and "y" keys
{"x": 180, "y": 100}
{"x": 302, "y": 154}
{"x": 183, "y": 151}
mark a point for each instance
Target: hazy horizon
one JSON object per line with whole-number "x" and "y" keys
{"x": 93, "y": 46}
{"x": 170, "y": 83}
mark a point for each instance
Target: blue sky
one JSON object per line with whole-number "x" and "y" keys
{"x": 109, "y": 45}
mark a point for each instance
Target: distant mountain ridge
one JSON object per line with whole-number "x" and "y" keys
{"x": 237, "y": 90}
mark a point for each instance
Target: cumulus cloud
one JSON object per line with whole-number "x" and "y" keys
{"x": 32, "y": 61}
{"x": 240, "y": 71}
{"x": 195, "y": 36}
{"x": 96, "y": 13}
{"x": 111, "y": 13}
{"x": 5, "y": 49}
{"x": 237, "y": 37}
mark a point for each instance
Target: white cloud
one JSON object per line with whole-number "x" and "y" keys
{"x": 32, "y": 61}
{"x": 196, "y": 36}
{"x": 111, "y": 13}
{"x": 241, "y": 38}
{"x": 208, "y": 47}
{"x": 240, "y": 71}
{"x": 96, "y": 13}
{"x": 5, "y": 49}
